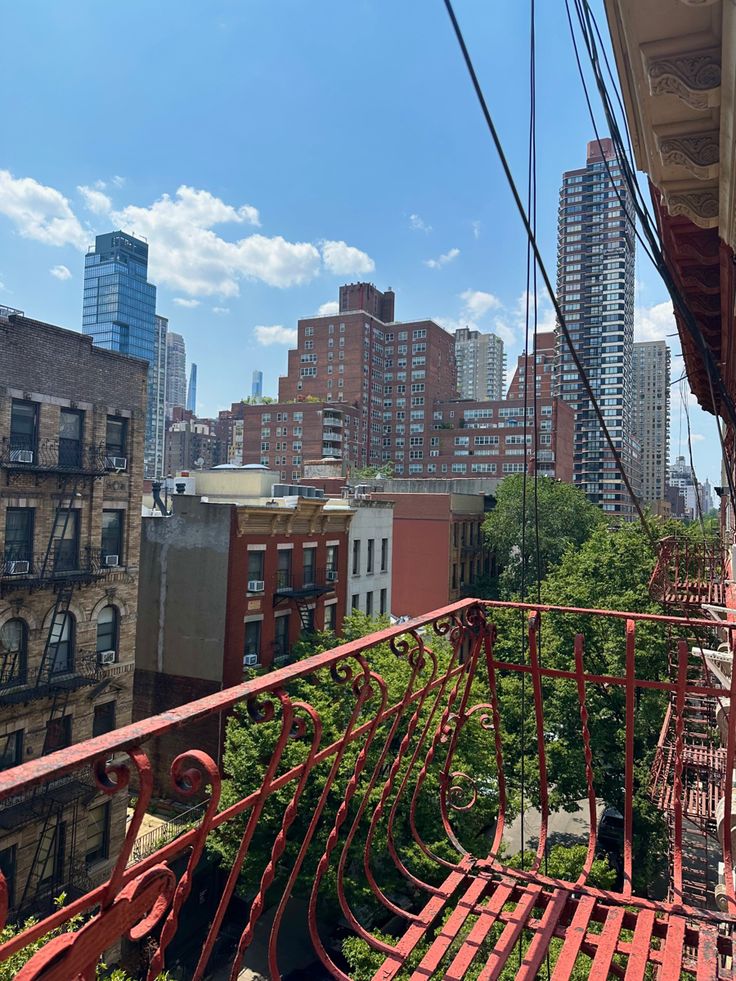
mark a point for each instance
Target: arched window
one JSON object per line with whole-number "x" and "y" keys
{"x": 13, "y": 651}
{"x": 107, "y": 630}
{"x": 61, "y": 648}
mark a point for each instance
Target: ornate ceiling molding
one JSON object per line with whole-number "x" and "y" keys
{"x": 698, "y": 153}
{"x": 700, "y": 205}
{"x": 693, "y": 76}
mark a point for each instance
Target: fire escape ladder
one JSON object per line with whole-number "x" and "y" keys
{"x": 301, "y": 605}
{"x": 47, "y": 847}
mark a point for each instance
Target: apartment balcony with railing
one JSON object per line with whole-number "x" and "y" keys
{"x": 376, "y": 812}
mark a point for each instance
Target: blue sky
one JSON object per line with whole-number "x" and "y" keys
{"x": 272, "y": 149}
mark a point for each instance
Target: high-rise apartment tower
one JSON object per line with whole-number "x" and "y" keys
{"x": 595, "y": 287}
{"x": 192, "y": 390}
{"x": 481, "y": 364}
{"x": 119, "y": 313}
{"x": 176, "y": 372}
{"x": 256, "y": 388}
{"x": 651, "y": 412}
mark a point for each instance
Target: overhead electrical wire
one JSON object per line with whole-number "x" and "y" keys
{"x": 543, "y": 270}
{"x": 589, "y": 28}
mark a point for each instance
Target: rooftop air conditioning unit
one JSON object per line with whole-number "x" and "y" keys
{"x": 116, "y": 462}
{"x": 332, "y": 575}
{"x": 256, "y": 585}
{"x": 17, "y": 567}
{"x": 250, "y": 660}
{"x": 21, "y": 456}
{"x": 111, "y": 560}
{"x": 107, "y": 657}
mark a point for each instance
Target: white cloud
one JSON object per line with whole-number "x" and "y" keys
{"x": 442, "y": 260}
{"x": 328, "y": 309}
{"x": 39, "y": 212}
{"x": 696, "y": 437}
{"x": 344, "y": 259}
{"x": 118, "y": 181}
{"x": 476, "y": 303}
{"x": 220, "y": 311}
{"x": 476, "y": 229}
{"x": 418, "y": 224}
{"x": 60, "y": 272}
{"x": 180, "y": 301}
{"x": 94, "y": 199}
{"x": 275, "y": 335}
{"x": 190, "y": 257}
{"x": 654, "y": 323}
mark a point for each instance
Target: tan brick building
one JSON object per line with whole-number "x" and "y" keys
{"x": 72, "y": 420}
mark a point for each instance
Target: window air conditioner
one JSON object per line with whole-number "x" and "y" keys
{"x": 116, "y": 463}
{"x": 256, "y": 585}
{"x": 332, "y": 575}
{"x": 111, "y": 560}
{"x": 21, "y": 456}
{"x": 250, "y": 660}
{"x": 107, "y": 657}
{"x": 17, "y": 568}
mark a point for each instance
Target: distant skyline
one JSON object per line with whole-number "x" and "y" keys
{"x": 265, "y": 168}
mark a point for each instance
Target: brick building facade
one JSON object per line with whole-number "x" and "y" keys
{"x": 264, "y": 570}
{"x": 72, "y": 424}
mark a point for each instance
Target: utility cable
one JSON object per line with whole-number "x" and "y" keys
{"x": 543, "y": 269}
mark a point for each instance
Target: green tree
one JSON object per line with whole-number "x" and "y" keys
{"x": 566, "y": 518}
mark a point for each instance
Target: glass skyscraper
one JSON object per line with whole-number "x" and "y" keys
{"x": 119, "y": 313}
{"x": 595, "y": 288}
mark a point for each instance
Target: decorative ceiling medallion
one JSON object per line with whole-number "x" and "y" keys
{"x": 694, "y": 77}
{"x": 697, "y": 153}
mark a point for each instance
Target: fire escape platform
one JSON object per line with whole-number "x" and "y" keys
{"x": 499, "y": 920}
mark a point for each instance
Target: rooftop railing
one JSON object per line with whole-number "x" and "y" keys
{"x": 370, "y": 792}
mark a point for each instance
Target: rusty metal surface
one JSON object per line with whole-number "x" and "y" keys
{"x": 352, "y": 803}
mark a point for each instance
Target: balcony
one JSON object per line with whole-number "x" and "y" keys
{"x": 386, "y": 785}
{"x": 23, "y": 569}
{"x": 689, "y": 575}
{"x": 53, "y": 456}
{"x": 309, "y": 582}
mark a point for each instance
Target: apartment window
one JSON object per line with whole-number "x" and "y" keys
{"x": 61, "y": 644}
{"x": 354, "y": 601}
{"x": 371, "y": 550}
{"x": 7, "y": 867}
{"x": 98, "y": 833}
{"x": 50, "y": 855}
{"x": 23, "y": 430}
{"x": 332, "y": 559}
{"x": 356, "y": 557}
{"x": 104, "y": 719}
{"x": 115, "y": 439}
{"x": 283, "y": 569}
{"x": 13, "y": 649}
{"x": 255, "y": 566}
{"x": 252, "y": 646}
{"x": 107, "y": 630}
{"x": 58, "y": 734}
{"x": 18, "y": 537}
{"x": 384, "y": 554}
{"x": 281, "y": 638}
{"x": 331, "y": 617}
{"x": 309, "y": 560}
{"x": 112, "y": 537}
{"x": 11, "y": 749}
{"x": 382, "y": 599}
{"x": 369, "y": 604}
{"x": 70, "y": 437}
{"x": 66, "y": 540}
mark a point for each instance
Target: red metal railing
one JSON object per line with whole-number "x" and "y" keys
{"x": 379, "y": 795}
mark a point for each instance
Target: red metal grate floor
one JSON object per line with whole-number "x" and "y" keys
{"x": 580, "y": 929}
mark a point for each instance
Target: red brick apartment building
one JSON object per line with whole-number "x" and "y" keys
{"x": 229, "y": 582}
{"x": 544, "y": 373}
